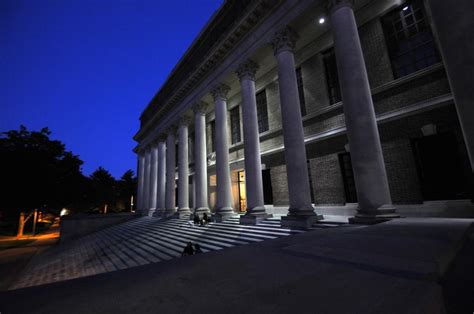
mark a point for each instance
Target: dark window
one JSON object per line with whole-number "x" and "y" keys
{"x": 332, "y": 79}
{"x": 409, "y": 39}
{"x": 348, "y": 177}
{"x": 213, "y": 135}
{"x": 299, "y": 79}
{"x": 262, "y": 112}
{"x": 235, "y": 125}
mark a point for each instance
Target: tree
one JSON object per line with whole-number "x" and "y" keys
{"x": 127, "y": 187}
{"x": 37, "y": 172}
{"x": 104, "y": 186}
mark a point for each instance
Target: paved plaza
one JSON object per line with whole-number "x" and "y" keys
{"x": 410, "y": 265}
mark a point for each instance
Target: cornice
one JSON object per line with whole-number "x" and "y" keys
{"x": 254, "y": 14}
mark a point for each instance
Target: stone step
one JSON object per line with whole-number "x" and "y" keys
{"x": 142, "y": 241}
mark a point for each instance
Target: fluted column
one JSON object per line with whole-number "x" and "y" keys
{"x": 161, "y": 189}
{"x": 170, "y": 197}
{"x": 183, "y": 168}
{"x": 373, "y": 192}
{"x": 141, "y": 181}
{"x": 301, "y": 212}
{"x": 153, "y": 178}
{"x": 253, "y": 168}
{"x": 200, "y": 161}
{"x": 146, "y": 184}
{"x": 224, "y": 189}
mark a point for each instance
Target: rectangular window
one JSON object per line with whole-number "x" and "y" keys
{"x": 262, "y": 111}
{"x": 332, "y": 79}
{"x": 299, "y": 79}
{"x": 235, "y": 125}
{"x": 409, "y": 39}
{"x": 213, "y": 135}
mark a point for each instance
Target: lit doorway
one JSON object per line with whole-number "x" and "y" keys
{"x": 242, "y": 193}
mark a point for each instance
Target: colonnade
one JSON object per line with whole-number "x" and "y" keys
{"x": 366, "y": 153}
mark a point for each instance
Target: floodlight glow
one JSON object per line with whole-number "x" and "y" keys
{"x": 322, "y": 20}
{"x": 405, "y": 8}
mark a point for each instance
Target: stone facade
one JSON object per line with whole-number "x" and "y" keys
{"x": 403, "y": 106}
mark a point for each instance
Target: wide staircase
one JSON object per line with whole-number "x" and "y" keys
{"x": 142, "y": 241}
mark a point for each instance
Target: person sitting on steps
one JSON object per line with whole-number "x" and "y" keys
{"x": 188, "y": 250}
{"x": 197, "y": 220}
{"x": 205, "y": 219}
{"x": 197, "y": 249}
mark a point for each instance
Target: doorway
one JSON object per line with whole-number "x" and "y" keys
{"x": 241, "y": 191}
{"x": 267, "y": 187}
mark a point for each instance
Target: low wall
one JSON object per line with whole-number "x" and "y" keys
{"x": 75, "y": 226}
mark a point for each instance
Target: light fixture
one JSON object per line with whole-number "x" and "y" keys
{"x": 322, "y": 20}
{"x": 405, "y": 8}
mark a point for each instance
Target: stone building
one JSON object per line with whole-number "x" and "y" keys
{"x": 315, "y": 107}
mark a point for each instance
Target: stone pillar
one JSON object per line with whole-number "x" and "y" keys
{"x": 253, "y": 165}
{"x": 183, "y": 168}
{"x": 224, "y": 189}
{"x": 153, "y": 179}
{"x": 170, "y": 197}
{"x": 201, "y": 204}
{"x": 141, "y": 181}
{"x": 373, "y": 192}
{"x": 301, "y": 212}
{"x": 451, "y": 23}
{"x": 161, "y": 189}
{"x": 146, "y": 183}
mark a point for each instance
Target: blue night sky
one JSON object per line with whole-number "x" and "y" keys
{"x": 87, "y": 68}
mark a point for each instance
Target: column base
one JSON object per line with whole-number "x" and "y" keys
{"x": 201, "y": 210}
{"x": 184, "y": 212}
{"x": 300, "y": 222}
{"x": 253, "y": 219}
{"x": 223, "y": 214}
{"x": 159, "y": 212}
{"x": 169, "y": 212}
{"x": 150, "y": 212}
{"x": 382, "y": 214}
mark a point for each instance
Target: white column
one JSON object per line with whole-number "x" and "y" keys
{"x": 146, "y": 184}
{"x": 153, "y": 178}
{"x": 200, "y": 160}
{"x": 224, "y": 189}
{"x": 301, "y": 212}
{"x": 170, "y": 197}
{"x": 373, "y": 192}
{"x": 253, "y": 167}
{"x": 161, "y": 190}
{"x": 141, "y": 181}
{"x": 183, "y": 168}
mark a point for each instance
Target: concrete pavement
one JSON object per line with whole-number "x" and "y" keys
{"x": 394, "y": 267}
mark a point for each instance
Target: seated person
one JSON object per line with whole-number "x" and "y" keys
{"x": 196, "y": 219}
{"x": 205, "y": 219}
{"x": 197, "y": 249}
{"x": 188, "y": 250}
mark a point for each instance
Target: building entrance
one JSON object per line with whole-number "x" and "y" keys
{"x": 241, "y": 191}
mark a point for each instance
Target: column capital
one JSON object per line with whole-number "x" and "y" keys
{"x": 184, "y": 120}
{"x": 171, "y": 130}
{"x": 284, "y": 40}
{"x": 161, "y": 137}
{"x": 247, "y": 70}
{"x": 220, "y": 91}
{"x": 200, "y": 108}
{"x": 333, "y": 5}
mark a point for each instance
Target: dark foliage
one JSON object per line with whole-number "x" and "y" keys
{"x": 38, "y": 172}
